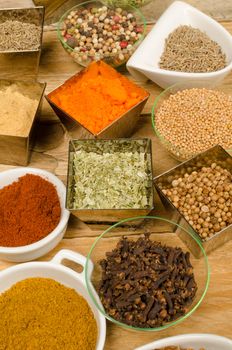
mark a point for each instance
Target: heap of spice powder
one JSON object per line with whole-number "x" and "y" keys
{"x": 194, "y": 120}
{"x": 17, "y": 108}
{"x": 19, "y": 36}
{"x": 42, "y": 314}
{"x": 29, "y": 211}
{"x": 97, "y": 96}
{"x": 188, "y": 49}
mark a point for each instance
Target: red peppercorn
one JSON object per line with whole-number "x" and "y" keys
{"x": 138, "y": 29}
{"x": 115, "y": 27}
{"x": 116, "y": 19}
{"x": 123, "y": 44}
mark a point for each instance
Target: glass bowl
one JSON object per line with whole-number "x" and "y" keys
{"x": 178, "y": 153}
{"x": 108, "y": 240}
{"x": 83, "y": 57}
{"x": 124, "y": 3}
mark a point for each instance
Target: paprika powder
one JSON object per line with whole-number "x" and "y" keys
{"x": 29, "y": 211}
{"x": 97, "y": 96}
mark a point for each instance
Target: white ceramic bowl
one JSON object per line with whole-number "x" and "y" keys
{"x": 42, "y": 247}
{"x": 144, "y": 63}
{"x": 195, "y": 341}
{"x": 62, "y": 274}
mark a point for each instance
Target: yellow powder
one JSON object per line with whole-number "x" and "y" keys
{"x": 16, "y": 112}
{"x": 42, "y": 314}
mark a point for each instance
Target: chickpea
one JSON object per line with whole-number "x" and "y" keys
{"x": 205, "y": 204}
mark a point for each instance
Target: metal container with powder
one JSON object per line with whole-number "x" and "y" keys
{"x": 19, "y": 106}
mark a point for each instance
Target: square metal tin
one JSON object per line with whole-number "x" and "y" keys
{"x": 105, "y": 216}
{"x": 21, "y": 64}
{"x": 214, "y": 155}
{"x": 119, "y": 128}
{"x": 15, "y": 150}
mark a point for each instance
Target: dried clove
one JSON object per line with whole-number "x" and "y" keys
{"x": 146, "y": 284}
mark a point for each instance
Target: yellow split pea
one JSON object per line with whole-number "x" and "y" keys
{"x": 42, "y": 314}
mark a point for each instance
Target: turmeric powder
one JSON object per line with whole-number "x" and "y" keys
{"x": 42, "y": 314}
{"x": 97, "y": 96}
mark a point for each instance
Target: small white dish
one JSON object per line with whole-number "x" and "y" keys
{"x": 45, "y": 245}
{"x": 62, "y": 274}
{"x": 144, "y": 63}
{"x": 195, "y": 341}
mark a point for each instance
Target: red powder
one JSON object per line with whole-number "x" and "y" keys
{"x": 29, "y": 211}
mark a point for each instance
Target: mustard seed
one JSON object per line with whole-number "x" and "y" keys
{"x": 193, "y": 120}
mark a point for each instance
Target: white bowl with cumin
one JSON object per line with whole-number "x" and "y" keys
{"x": 144, "y": 63}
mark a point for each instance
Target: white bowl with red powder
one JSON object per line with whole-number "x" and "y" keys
{"x": 41, "y": 247}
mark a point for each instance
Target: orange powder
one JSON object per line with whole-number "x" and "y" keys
{"x": 97, "y": 96}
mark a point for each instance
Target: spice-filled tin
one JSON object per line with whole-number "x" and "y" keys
{"x": 20, "y": 105}
{"x": 198, "y": 194}
{"x": 109, "y": 180}
{"x": 21, "y": 31}
{"x": 99, "y": 102}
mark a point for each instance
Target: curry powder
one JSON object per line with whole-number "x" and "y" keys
{"x": 40, "y": 313}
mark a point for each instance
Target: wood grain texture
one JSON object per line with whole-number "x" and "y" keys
{"x": 50, "y": 152}
{"x": 16, "y": 3}
{"x": 220, "y": 10}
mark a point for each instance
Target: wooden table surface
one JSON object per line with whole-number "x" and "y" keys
{"x": 50, "y": 153}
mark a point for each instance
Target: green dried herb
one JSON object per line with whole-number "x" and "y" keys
{"x": 112, "y": 175}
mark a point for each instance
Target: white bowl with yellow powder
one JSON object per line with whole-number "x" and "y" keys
{"x": 145, "y": 62}
{"x": 32, "y": 332}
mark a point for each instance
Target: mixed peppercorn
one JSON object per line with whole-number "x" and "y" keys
{"x": 96, "y": 33}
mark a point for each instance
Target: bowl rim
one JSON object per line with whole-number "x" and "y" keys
{"x": 153, "y": 116}
{"x": 133, "y": 8}
{"x": 61, "y": 189}
{"x": 185, "y": 337}
{"x": 89, "y": 285}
